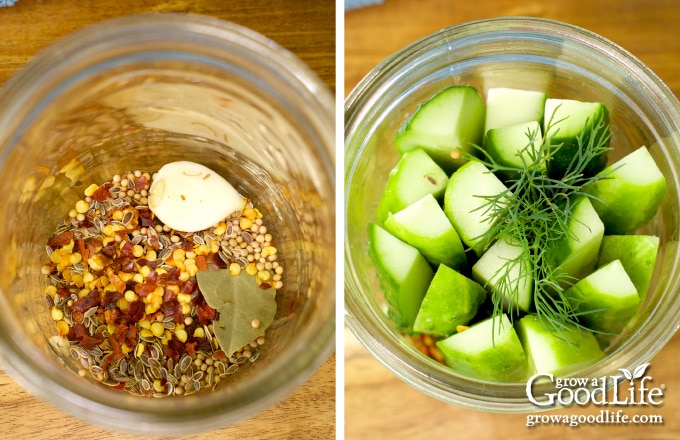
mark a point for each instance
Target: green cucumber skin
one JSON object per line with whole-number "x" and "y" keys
{"x": 401, "y": 189}
{"x": 451, "y": 300}
{"x": 638, "y": 255}
{"x": 551, "y": 353}
{"x": 403, "y": 288}
{"x": 448, "y": 123}
{"x": 488, "y": 350}
{"x": 565, "y": 138}
{"x": 614, "y": 195}
{"x": 424, "y": 226}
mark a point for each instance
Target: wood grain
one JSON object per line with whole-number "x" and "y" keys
{"x": 306, "y": 28}
{"x": 377, "y": 404}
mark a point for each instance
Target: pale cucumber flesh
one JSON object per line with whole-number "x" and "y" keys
{"x": 465, "y": 206}
{"x": 504, "y": 260}
{"x": 508, "y": 106}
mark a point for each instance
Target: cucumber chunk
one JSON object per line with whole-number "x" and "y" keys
{"x": 414, "y": 176}
{"x": 488, "y": 350}
{"x": 451, "y": 300}
{"x": 577, "y": 253}
{"x": 634, "y": 181}
{"x": 515, "y": 146}
{"x": 465, "y": 204}
{"x": 404, "y": 274}
{"x": 557, "y": 352}
{"x": 606, "y": 299}
{"x": 567, "y": 119}
{"x": 424, "y": 226}
{"x": 504, "y": 260}
{"x": 508, "y": 106}
{"x": 450, "y": 121}
{"x": 637, "y": 254}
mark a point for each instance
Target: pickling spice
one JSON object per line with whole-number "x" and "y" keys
{"x": 122, "y": 289}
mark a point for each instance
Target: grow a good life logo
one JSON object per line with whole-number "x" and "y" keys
{"x": 630, "y": 388}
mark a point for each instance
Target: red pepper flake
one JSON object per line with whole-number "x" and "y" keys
{"x": 88, "y": 342}
{"x": 60, "y": 240}
{"x": 219, "y": 355}
{"x": 78, "y": 317}
{"x": 145, "y": 217}
{"x": 201, "y": 262}
{"x": 131, "y": 335}
{"x": 205, "y": 313}
{"x": 134, "y": 312}
{"x": 84, "y": 251}
{"x": 120, "y": 333}
{"x": 87, "y": 302}
{"x": 140, "y": 183}
{"x": 146, "y": 288}
{"x": 191, "y": 348}
{"x": 110, "y": 358}
{"x": 189, "y": 287}
{"x": 111, "y": 298}
{"x": 126, "y": 249}
{"x": 216, "y": 262}
{"x": 174, "y": 349}
{"x": 102, "y": 193}
{"x": 264, "y": 285}
{"x": 114, "y": 344}
{"x": 153, "y": 242}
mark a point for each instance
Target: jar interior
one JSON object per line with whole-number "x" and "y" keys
{"x": 499, "y": 58}
{"x": 141, "y": 113}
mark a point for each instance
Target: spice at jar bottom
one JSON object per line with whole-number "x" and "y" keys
{"x": 123, "y": 289}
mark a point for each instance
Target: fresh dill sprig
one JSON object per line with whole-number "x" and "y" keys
{"x": 534, "y": 213}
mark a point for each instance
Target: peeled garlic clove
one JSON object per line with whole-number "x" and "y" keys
{"x": 190, "y": 197}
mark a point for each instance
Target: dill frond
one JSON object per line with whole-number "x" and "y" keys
{"x": 535, "y": 212}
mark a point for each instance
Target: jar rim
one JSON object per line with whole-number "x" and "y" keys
{"x": 111, "y": 38}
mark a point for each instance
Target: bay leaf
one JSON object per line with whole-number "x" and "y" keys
{"x": 238, "y": 300}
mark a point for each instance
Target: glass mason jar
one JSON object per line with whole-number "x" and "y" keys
{"x": 537, "y": 54}
{"x": 136, "y": 93}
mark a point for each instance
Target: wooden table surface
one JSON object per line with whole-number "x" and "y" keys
{"x": 377, "y": 404}
{"x": 305, "y": 27}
